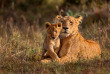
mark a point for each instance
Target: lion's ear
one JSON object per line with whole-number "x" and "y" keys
{"x": 47, "y": 25}
{"x": 57, "y": 19}
{"x": 59, "y": 25}
{"x": 79, "y": 18}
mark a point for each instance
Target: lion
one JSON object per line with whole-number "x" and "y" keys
{"x": 51, "y": 44}
{"x": 73, "y": 46}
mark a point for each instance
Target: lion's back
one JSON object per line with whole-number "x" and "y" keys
{"x": 89, "y": 49}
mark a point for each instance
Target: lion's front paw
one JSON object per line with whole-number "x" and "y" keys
{"x": 57, "y": 60}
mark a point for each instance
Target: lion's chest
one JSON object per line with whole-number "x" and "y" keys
{"x": 69, "y": 47}
{"x": 64, "y": 48}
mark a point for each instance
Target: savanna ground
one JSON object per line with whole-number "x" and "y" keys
{"x": 22, "y": 33}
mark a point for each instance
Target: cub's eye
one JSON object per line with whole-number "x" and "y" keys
{"x": 50, "y": 32}
{"x": 71, "y": 22}
{"x": 55, "y": 31}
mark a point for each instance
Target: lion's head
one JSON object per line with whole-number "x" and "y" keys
{"x": 70, "y": 25}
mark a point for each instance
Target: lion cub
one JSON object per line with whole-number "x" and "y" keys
{"x": 51, "y": 44}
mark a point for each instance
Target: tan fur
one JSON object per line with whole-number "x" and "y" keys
{"x": 73, "y": 45}
{"x": 51, "y": 44}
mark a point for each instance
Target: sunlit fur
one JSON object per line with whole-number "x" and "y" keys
{"x": 73, "y": 45}
{"x": 51, "y": 44}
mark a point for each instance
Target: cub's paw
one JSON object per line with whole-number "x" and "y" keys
{"x": 45, "y": 61}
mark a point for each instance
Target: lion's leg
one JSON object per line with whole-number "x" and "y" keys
{"x": 67, "y": 59}
{"x": 64, "y": 60}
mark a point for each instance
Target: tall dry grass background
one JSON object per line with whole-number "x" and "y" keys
{"x": 22, "y": 34}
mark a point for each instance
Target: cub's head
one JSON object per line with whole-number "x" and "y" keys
{"x": 53, "y": 30}
{"x": 70, "y": 25}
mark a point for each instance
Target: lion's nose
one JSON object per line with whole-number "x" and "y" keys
{"x": 65, "y": 28}
{"x": 53, "y": 37}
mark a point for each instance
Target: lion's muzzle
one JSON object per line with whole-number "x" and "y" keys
{"x": 65, "y": 30}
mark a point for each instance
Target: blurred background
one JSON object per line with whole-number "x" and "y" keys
{"x": 22, "y": 24}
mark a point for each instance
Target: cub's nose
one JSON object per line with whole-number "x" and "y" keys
{"x": 53, "y": 37}
{"x": 65, "y": 28}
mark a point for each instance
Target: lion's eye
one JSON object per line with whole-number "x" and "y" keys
{"x": 71, "y": 22}
{"x": 55, "y": 31}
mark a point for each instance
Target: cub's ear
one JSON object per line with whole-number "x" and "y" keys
{"x": 79, "y": 18}
{"x": 59, "y": 25}
{"x": 58, "y": 17}
{"x": 47, "y": 25}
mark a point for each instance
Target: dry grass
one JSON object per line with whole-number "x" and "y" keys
{"x": 20, "y": 51}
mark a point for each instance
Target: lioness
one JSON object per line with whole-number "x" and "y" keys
{"x": 51, "y": 44}
{"x": 73, "y": 45}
